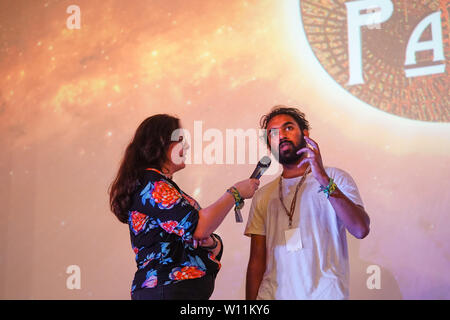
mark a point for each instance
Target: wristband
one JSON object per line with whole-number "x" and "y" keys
{"x": 214, "y": 245}
{"x": 328, "y": 190}
{"x": 239, "y": 203}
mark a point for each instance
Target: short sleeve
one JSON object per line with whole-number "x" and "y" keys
{"x": 346, "y": 184}
{"x": 256, "y": 218}
{"x": 168, "y": 206}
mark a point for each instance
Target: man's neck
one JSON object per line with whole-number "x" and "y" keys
{"x": 292, "y": 171}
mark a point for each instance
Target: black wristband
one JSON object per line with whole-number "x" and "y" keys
{"x": 214, "y": 245}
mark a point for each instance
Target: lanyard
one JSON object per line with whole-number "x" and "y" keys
{"x": 290, "y": 213}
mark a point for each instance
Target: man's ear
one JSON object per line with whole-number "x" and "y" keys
{"x": 306, "y": 133}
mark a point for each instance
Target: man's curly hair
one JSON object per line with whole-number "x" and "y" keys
{"x": 296, "y": 114}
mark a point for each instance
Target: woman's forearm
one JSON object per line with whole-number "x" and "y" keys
{"x": 212, "y": 216}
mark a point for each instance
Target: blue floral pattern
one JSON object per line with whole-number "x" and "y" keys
{"x": 162, "y": 221}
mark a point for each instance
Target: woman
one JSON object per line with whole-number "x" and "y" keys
{"x": 177, "y": 254}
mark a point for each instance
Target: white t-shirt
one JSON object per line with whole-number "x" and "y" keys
{"x": 320, "y": 269}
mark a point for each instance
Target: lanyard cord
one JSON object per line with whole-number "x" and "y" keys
{"x": 290, "y": 213}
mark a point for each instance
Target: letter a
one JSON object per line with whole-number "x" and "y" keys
{"x": 74, "y": 280}
{"x": 374, "y": 281}
{"x": 435, "y": 44}
{"x": 74, "y": 20}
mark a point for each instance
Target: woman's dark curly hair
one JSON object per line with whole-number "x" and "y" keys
{"x": 298, "y": 116}
{"x": 147, "y": 150}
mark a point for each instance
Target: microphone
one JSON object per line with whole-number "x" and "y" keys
{"x": 261, "y": 167}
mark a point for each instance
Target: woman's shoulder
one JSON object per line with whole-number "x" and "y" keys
{"x": 152, "y": 174}
{"x": 162, "y": 193}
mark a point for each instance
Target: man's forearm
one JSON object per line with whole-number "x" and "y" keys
{"x": 354, "y": 217}
{"x": 255, "y": 273}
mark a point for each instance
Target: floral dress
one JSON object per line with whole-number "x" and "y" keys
{"x": 162, "y": 221}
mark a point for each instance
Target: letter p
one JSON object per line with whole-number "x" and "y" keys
{"x": 355, "y": 20}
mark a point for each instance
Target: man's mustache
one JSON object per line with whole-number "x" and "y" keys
{"x": 302, "y": 144}
{"x": 285, "y": 141}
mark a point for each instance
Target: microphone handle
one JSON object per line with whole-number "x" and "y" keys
{"x": 257, "y": 173}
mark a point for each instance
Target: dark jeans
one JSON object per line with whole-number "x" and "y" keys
{"x": 192, "y": 289}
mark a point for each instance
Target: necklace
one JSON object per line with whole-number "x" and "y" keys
{"x": 290, "y": 213}
{"x": 167, "y": 175}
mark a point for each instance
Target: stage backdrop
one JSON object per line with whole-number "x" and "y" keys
{"x": 77, "y": 77}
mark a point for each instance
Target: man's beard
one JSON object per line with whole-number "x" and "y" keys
{"x": 290, "y": 156}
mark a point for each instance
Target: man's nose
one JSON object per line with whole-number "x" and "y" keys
{"x": 281, "y": 135}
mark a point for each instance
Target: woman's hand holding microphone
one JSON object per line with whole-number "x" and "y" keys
{"x": 247, "y": 187}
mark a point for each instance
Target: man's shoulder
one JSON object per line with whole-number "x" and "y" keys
{"x": 267, "y": 189}
{"x": 336, "y": 172}
{"x": 341, "y": 177}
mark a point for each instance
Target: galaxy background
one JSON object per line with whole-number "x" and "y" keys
{"x": 71, "y": 99}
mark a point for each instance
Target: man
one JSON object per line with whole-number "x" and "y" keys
{"x": 298, "y": 222}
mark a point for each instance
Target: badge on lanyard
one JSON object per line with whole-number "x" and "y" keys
{"x": 293, "y": 239}
{"x": 292, "y": 236}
